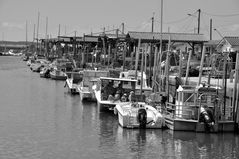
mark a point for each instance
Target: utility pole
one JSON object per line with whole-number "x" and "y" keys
{"x": 210, "y": 29}
{"x": 152, "y": 30}
{"x": 199, "y": 14}
{"x": 122, "y": 28}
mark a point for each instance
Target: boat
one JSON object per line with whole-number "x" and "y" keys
{"x": 45, "y": 72}
{"x": 57, "y": 74}
{"x": 109, "y": 91}
{"x": 196, "y": 108}
{"x": 131, "y": 74}
{"x": 139, "y": 115}
{"x": 38, "y": 65}
{"x": 73, "y": 82}
{"x": 89, "y": 79}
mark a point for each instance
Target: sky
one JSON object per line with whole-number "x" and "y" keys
{"x": 17, "y": 17}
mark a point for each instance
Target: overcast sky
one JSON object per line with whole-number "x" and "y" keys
{"x": 86, "y": 16}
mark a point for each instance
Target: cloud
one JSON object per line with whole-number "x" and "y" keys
{"x": 13, "y": 25}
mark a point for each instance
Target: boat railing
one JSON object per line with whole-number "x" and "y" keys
{"x": 186, "y": 111}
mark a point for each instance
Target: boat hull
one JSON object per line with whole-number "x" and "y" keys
{"x": 128, "y": 116}
{"x": 177, "y": 124}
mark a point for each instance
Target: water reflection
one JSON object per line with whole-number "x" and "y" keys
{"x": 203, "y": 145}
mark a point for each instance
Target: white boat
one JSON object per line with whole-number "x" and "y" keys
{"x": 138, "y": 115}
{"x": 106, "y": 89}
{"x": 73, "y": 82}
{"x": 89, "y": 79}
{"x": 130, "y": 74}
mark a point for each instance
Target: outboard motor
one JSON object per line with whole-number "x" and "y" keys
{"x": 206, "y": 117}
{"x": 142, "y": 118}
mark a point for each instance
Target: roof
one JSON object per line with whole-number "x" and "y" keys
{"x": 88, "y": 38}
{"x": 118, "y": 79}
{"x": 233, "y": 41}
{"x": 114, "y": 36}
{"x": 177, "y": 37}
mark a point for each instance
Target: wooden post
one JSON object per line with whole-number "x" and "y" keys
{"x": 167, "y": 68}
{"x": 137, "y": 58}
{"x": 104, "y": 48}
{"x": 142, "y": 67}
{"x": 235, "y": 89}
{"x": 188, "y": 67}
{"x": 201, "y": 65}
{"x": 124, "y": 53}
{"x": 109, "y": 50}
{"x": 180, "y": 64}
{"x": 154, "y": 69}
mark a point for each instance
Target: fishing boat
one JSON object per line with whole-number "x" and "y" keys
{"x": 45, "y": 72}
{"x": 131, "y": 74}
{"x": 73, "y": 82}
{"x": 196, "y": 109}
{"x": 139, "y": 115}
{"x": 57, "y": 74}
{"x": 89, "y": 79}
{"x": 109, "y": 91}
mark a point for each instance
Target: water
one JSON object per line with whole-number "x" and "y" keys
{"x": 40, "y": 120}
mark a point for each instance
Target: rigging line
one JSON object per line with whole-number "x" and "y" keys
{"x": 185, "y": 26}
{"x": 221, "y": 15}
{"x": 204, "y": 24}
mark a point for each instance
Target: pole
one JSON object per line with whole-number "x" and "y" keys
{"x": 38, "y": 18}
{"x": 180, "y": 64}
{"x": 122, "y": 28}
{"x": 199, "y": 14}
{"x": 167, "y": 68}
{"x": 46, "y": 37}
{"x": 26, "y": 34}
{"x": 188, "y": 66}
{"x": 161, "y": 43}
{"x": 152, "y": 30}
{"x": 201, "y": 65}
{"x": 109, "y": 50}
{"x": 154, "y": 69}
{"x": 210, "y": 29}
{"x": 235, "y": 90}
{"x": 142, "y": 67}
{"x": 137, "y": 59}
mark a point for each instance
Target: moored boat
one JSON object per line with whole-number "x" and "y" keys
{"x": 139, "y": 115}
{"x": 89, "y": 79}
{"x": 58, "y": 75}
{"x": 73, "y": 82}
{"x": 111, "y": 91}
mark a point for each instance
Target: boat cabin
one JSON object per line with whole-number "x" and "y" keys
{"x": 190, "y": 99}
{"x": 110, "y": 87}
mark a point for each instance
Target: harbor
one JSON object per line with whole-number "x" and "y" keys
{"x": 47, "y": 122}
{"x": 81, "y": 87}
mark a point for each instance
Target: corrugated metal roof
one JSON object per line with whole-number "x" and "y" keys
{"x": 177, "y": 37}
{"x": 234, "y": 41}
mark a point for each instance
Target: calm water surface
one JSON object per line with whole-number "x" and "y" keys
{"x": 39, "y": 119}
